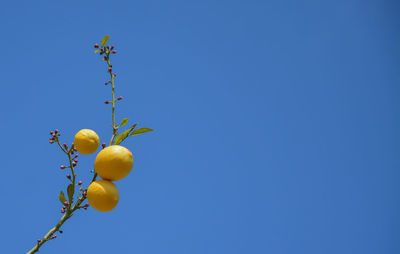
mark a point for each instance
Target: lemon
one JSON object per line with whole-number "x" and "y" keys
{"x": 113, "y": 163}
{"x": 86, "y": 141}
{"x": 103, "y": 195}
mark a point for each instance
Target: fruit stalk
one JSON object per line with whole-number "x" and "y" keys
{"x": 71, "y": 208}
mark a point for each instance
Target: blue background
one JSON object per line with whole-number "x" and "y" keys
{"x": 277, "y": 124}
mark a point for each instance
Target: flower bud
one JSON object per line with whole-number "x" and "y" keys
{"x": 119, "y": 98}
{"x": 39, "y": 240}
{"x": 51, "y": 141}
{"x": 87, "y": 205}
{"x": 80, "y": 183}
{"x": 112, "y": 47}
{"x": 62, "y": 167}
{"x": 114, "y": 52}
{"x": 106, "y": 83}
{"x": 96, "y": 46}
{"x": 62, "y": 210}
{"x": 106, "y": 102}
{"x": 65, "y": 146}
{"x": 103, "y": 145}
{"x": 68, "y": 176}
{"x": 56, "y": 131}
{"x": 109, "y": 69}
{"x": 115, "y": 74}
{"x": 66, "y": 203}
{"x": 60, "y": 231}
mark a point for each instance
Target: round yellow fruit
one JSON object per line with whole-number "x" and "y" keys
{"x": 113, "y": 163}
{"x": 86, "y": 141}
{"x": 103, "y": 195}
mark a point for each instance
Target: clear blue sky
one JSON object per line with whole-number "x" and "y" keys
{"x": 277, "y": 124}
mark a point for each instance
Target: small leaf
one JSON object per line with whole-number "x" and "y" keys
{"x": 96, "y": 51}
{"x": 61, "y": 197}
{"x": 104, "y": 40}
{"x": 140, "y": 131}
{"x": 121, "y": 137}
{"x": 124, "y": 121}
{"x": 70, "y": 191}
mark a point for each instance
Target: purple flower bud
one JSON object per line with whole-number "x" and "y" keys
{"x": 68, "y": 176}
{"x": 96, "y": 46}
{"x": 80, "y": 183}
{"x": 51, "y": 133}
{"x": 112, "y": 47}
{"x": 54, "y": 236}
{"x": 103, "y": 145}
{"x": 60, "y": 231}
{"x": 106, "y": 83}
{"x": 51, "y": 141}
{"x": 109, "y": 69}
{"x": 39, "y": 240}
{"x": 56, "y": 131}
{"x": 101, "y": 52}
{"x": 87, "y": 205}
{"x": 119, "y": 98}
{"x": 65, "y": 146}
{"x": 62, "y": 210}
{"x": 74, "y": 163}
{"x": 106, "y": 102}
{"x": 66, "y": 203}
{"x": 62, "y": 167}
{"x": 115, "y": 74}
{"x": 75, "y": 149}
{"x": 76, "y": 156}
{"x": 75, "y": 160}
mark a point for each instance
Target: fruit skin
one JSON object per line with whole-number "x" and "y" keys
{"x": 113, "y": 163}
{"x": 86, "y": 141}
{"x": 103, "y": 195}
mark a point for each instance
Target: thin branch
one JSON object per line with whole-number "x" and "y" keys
{"x": 73, "y": 207}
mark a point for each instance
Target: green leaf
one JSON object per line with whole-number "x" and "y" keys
{"x": 140, "y": 131}
{"x": 104, "y": 40}
{"x": 124, "y": 121}
{"x": 96, "y": 51}
{"x": 61, "y": 197}
{"x": 70, "y": 191}
{"x": 121, "y": 137}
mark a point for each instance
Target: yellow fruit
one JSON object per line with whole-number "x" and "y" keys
{"x": 103, "y": 195}
{"x": 86, "y": 141}
{"x": 113, "y": 163}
